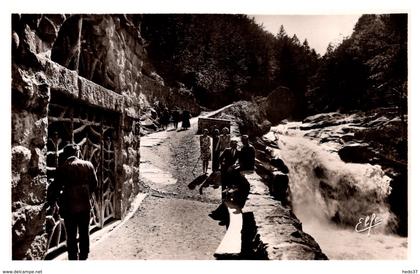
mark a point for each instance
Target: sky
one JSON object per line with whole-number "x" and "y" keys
{"x": 319, "y": 30}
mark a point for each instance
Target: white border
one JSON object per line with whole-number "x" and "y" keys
{"x": 214, "y": 6}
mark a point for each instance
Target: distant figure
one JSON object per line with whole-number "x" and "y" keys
{"x": 224, "y": 139}
{"x": 246, "y": 155}
{"x": 175, "y": 118}
{"x": 164, "y": 118}
{"x": 227, "y": 159}
{"x": 186, "y": 119}
{"x": 216, "y": 150}
{"x": 205, "y": 150}
{"x": 74, "y": 182}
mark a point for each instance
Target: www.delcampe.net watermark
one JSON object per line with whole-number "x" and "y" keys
{"x": 18, "y": 271}
{"x": 367, "y": 223}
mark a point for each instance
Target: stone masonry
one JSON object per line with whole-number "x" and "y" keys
{"x": 95, "y": 60}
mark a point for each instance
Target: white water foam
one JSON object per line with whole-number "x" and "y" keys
{"x": 324, "y": 188}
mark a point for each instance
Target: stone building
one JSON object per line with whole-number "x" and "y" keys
{"x": 83, "y": 79}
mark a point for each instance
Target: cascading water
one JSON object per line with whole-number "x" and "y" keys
{"x": 330, "y": 196}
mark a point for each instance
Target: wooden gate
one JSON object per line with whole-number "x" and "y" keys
{"x": 94, "y": 130}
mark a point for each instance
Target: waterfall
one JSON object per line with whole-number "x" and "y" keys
{"x": 330, "y": 196}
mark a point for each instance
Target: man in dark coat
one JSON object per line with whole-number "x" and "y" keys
{"x": 227, "y": 159}
{"x": 229, "y": 156}
{"x": 246, "y": 155}
{"x": 74, "y": 182}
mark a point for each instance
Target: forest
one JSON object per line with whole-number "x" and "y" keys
{"x": 222, "y": 58}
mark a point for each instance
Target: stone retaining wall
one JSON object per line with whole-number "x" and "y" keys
{"x": 277, "y": 227}
{"x": 108, "y": 75}
{"x": 211, "y": 124}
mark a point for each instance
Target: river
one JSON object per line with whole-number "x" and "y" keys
{"x": 333, "y": 199}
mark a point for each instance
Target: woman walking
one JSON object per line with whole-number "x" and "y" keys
{"x": 205, "y": 150}
{"x": 186, "y": 120}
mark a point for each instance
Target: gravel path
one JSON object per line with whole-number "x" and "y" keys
{"x": 163, "y": 228}
{"x": 172, "y": 221}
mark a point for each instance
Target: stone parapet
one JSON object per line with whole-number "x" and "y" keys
{"x": 278, "y": 228}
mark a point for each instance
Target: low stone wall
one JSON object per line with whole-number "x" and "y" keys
{"x": 211, "y": 124}
{"x": 278, "y": 229}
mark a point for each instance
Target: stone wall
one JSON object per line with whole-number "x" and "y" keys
{"x": 211, "y": 123}
{"x": 30, "y": 96}
{"x": 95, "y": 60}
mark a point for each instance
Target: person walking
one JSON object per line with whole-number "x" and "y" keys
{"x": 175, "y": 118}
{"x": 205, "y": 150}
{"x": 186, "y": 120}
{"x": 74, "y": 182}
{"x": 164, "y": 118}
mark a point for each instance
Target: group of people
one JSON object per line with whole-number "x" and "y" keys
{"x": 232, "y": 163}
{"x": 175, "y": 117}
{"x": 224, "y": 153}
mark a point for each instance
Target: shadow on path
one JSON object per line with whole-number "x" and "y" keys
{"x": 197, "y": 181}
{"x": 213, "y": 180}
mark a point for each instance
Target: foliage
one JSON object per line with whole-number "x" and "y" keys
{"x": 223, "y": 58}
{"x": 367, "y": 70}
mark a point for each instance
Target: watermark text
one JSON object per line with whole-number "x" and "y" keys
{"x": 367, "y": 223}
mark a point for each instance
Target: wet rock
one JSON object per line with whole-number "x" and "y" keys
{"x": 356, "y": 153}
{"x": 264, "y": 170}
{"x": 279, "y": 164}
{"x": 262, "y": 155}
{"x": 280, "y": 187}
{"x": 259, "y": 144}
{"x": 319, "y": 172}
